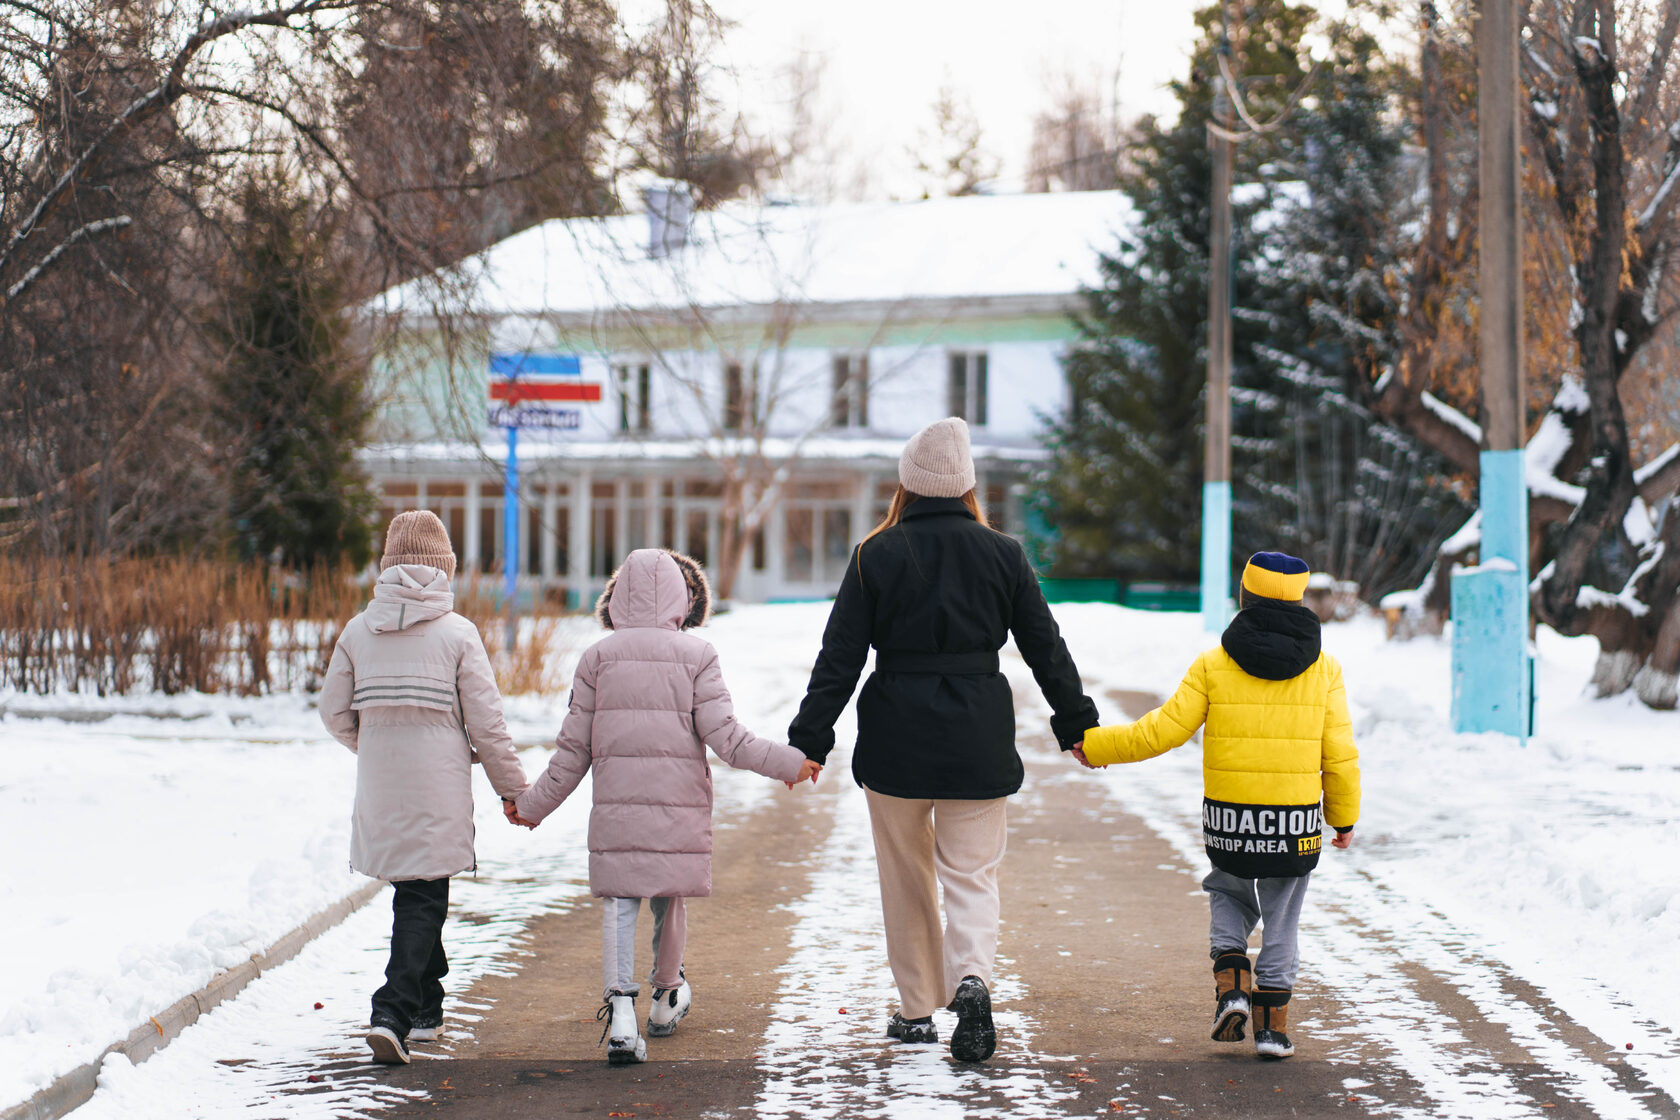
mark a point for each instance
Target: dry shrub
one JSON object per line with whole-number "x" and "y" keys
{"x": 167, "y": 624}
{"x": 173, "y": 624}
{"x": 531, "y": 662}
{"x": 533, "y": 665}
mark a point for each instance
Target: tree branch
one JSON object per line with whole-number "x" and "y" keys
{"x": 157, "y": 99}
{"x": 58, "y": 250}
{"x": 1644, "y": 99}
{"x": 1660, "y": 478}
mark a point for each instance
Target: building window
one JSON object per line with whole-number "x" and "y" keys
{"x": 740, "y": 397}
{"x": 850, "y": 407}
{"x": 635, "y": 396}
{"x": 966, "y": 392}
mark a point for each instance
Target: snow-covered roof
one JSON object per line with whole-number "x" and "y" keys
{"x": 753, "y": 255}
{"x": 536, "y": 448}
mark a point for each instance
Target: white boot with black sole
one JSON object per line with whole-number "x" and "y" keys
{"x": 669, "y": 1007}
{"x": 625, "y": 1044}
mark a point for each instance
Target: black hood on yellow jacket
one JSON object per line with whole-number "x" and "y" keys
{"x": 1272, "y": 639}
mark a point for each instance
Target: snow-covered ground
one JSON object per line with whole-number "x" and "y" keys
{"x": 145, "y": 853}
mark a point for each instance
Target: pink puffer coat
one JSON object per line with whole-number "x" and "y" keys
{"x": 647, "y": 700}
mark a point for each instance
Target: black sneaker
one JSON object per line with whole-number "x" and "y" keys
{"x": 975, "y": 1039}
{"x": 912, "y": 1030}
{"x": 389, "y": 1047}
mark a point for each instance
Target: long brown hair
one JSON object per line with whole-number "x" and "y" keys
{"x": 901, "y": 500}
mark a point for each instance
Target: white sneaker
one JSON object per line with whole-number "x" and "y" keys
{"x": 387, "y": 1047}
{"x": 669, "y": 1007}
{"x": 427, "y": 1032}
{"x": 625, "y": 1044}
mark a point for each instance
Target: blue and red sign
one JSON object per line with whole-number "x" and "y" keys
{"x": 535, "y": 390}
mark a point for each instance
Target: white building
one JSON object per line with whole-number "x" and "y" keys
{"x": 758, "y": 362}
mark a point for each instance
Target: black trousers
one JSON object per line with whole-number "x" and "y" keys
{"x": 413, "y": 988}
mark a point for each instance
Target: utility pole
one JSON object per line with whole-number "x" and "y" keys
{"x": 1492, "y": 672}
{"x": 1216, "y": 464}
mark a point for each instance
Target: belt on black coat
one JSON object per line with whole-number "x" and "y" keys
{"x": 947, "y": 664}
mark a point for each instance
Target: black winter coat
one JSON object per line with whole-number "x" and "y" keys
{"x": 936, "y": 595}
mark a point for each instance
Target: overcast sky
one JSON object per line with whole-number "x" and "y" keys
{"x": 887, "y": 59}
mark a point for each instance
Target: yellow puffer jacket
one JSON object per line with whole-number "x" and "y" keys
{"x": 1267, "y": 742}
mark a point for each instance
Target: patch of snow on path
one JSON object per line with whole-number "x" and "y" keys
{"x": 255, "y": 1055}
{"x": 839, "y": 961}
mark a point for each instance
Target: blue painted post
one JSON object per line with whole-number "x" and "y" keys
{"x": 1216, "y": 555}
{"x": 510, "y": 533}
{"x": 1491, "y": 683}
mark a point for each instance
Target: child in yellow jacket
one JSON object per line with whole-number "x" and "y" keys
{"x": 1278, "y": 763}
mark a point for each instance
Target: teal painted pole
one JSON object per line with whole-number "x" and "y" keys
{"x": 1492, "y": 679}
{"x": 1216, "y": 555}
{"x": 1492, "y": 682}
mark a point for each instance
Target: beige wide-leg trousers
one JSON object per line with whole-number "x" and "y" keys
{"x": 921, "y": 845}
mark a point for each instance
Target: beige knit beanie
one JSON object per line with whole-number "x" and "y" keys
{"x": 936, "y": 462}
{"x": 416, "y": 536}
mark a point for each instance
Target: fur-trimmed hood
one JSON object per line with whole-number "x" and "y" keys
{"x": 647, "y": 587}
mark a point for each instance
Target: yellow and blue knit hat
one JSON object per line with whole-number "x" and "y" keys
{"x": 1275, "y": 575}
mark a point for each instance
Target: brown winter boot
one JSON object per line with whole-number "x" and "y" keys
{"x": 1232, "y": 981}
{"x": 1271, "y": 1022}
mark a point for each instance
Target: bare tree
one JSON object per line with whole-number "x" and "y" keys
{"x": 1605, "y": 535}
{"x": 680, "y": 129}
{"x": 468, "y": 122}
{"x": 1076, "y": 141}
{"x": 951, "y": 158}
{"x": 812, "y": 160}
{"x": 126, "y": 132}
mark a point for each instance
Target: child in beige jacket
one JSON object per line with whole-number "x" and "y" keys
{"x": 411, "y": 691}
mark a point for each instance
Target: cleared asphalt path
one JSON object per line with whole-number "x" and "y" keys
{"x": 1107, "y": 1005}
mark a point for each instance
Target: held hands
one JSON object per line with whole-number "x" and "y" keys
{"x": 511, "y": 812}
{"x": 807, "y": 769}
{"x": 1079, "y": 753}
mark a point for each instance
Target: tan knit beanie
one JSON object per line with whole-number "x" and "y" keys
{"x": 936, "y": 462}
{"x": 416, "y": 536}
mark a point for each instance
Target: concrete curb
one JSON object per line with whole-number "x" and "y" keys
{"x": 72, "y": 1090}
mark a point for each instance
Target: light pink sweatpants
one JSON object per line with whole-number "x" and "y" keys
{"x": 618, "y": 943}
{"x": 921, "y": 845}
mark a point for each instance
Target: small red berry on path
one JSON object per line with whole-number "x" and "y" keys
{"x": 318, "y": 1006}
{"x": 1630, "y": 1046}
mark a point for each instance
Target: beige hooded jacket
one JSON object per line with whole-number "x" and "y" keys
{"x": 411, "y": 691}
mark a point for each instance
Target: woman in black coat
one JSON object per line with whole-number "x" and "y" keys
{"x": 936, "y": 592}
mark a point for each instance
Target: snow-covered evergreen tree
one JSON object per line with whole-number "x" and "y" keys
{"x": 1318, "y": 262}
{"x": 1352, "y": 495}
{"x": 1122, "y": 490}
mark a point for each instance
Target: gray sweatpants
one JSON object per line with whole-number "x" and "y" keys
{"x": 618, "y": 943}
{"x": 1238, "y": 905}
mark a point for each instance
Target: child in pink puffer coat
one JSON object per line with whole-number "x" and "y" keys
{"x": 647, "y": 700}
